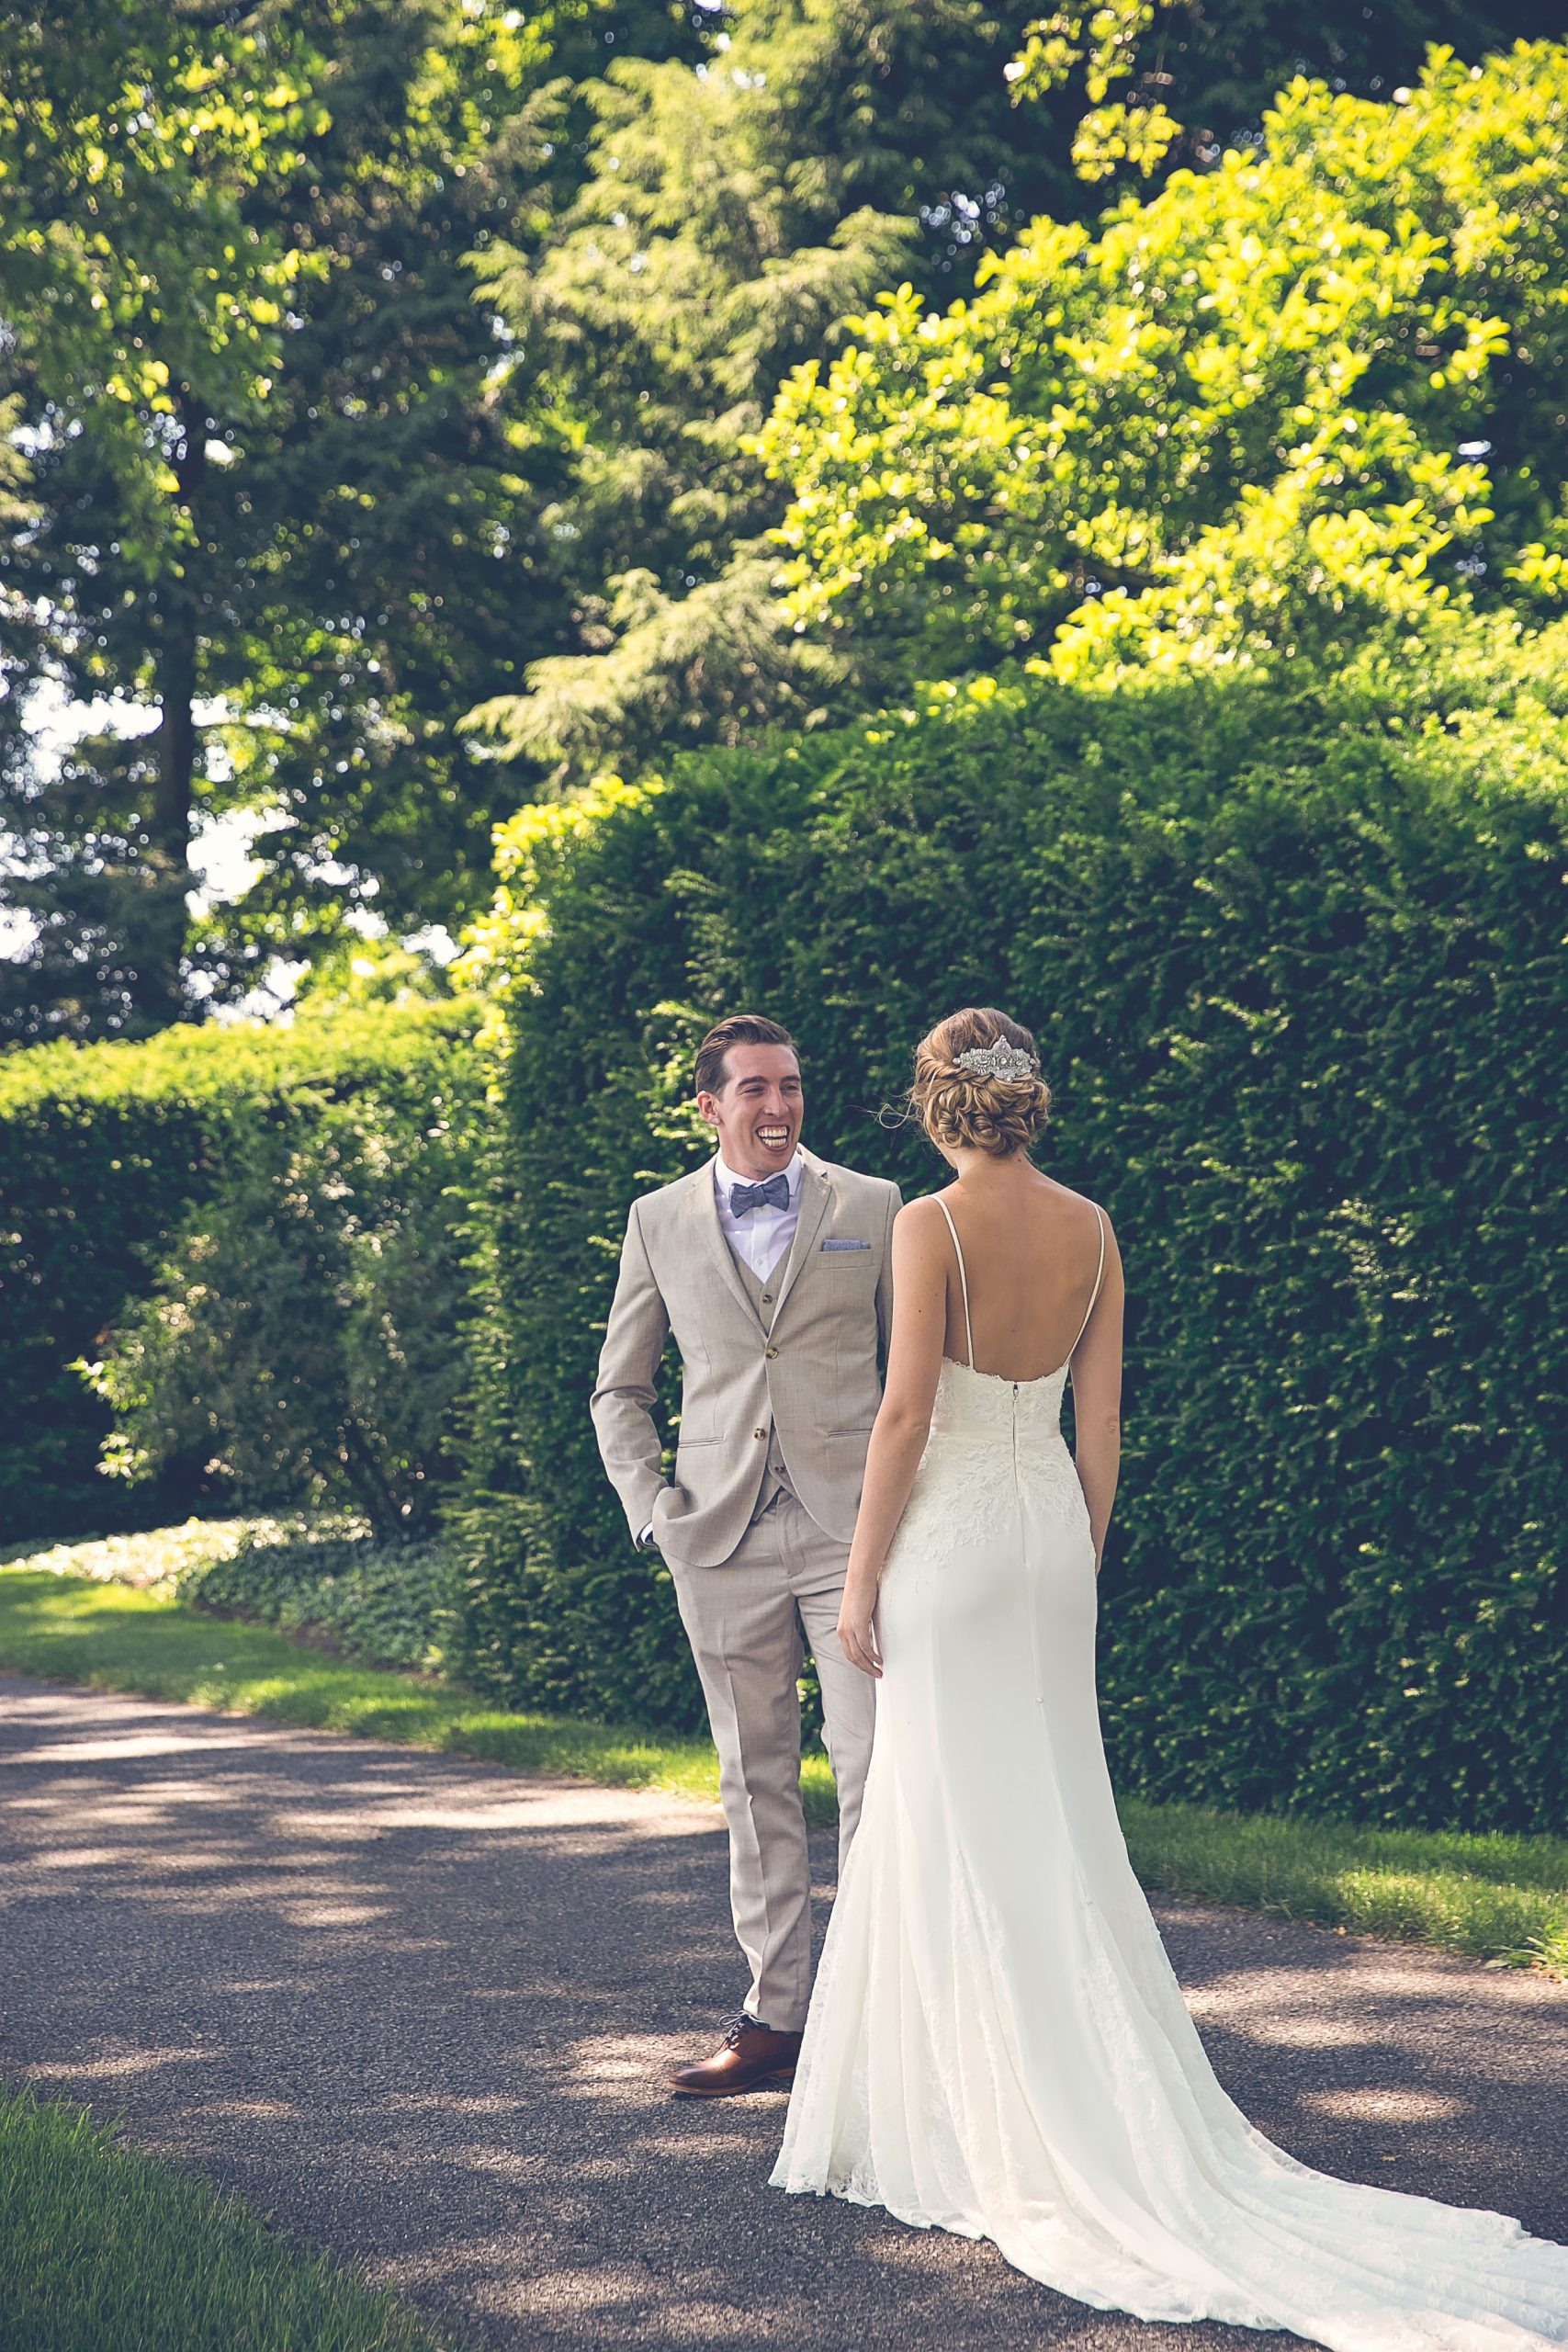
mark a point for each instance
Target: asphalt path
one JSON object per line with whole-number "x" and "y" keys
{"x": 418, "y": 2010}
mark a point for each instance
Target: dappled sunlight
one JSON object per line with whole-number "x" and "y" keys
{"x": 608, "y": 2291}
{"x": 119, "y": 2065}
{"x": 1387, "y": 2106}
{"x": 619, "y": 2058}
{"x": 332, "y": 1914}
{"x": 654, "y": 2146}
{"x": 115, "y": 1751}
{"x": 565, "y": 1807}
{"x": 423, "y": 2008}
{"x": 421, "y": 2102}
{"x": 1290, "y": 2032}
{"x": 242, "y": 1987}
{"x": 1415, "y": 2069}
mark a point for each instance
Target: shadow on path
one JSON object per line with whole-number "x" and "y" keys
{"x": 419, "y": 2011}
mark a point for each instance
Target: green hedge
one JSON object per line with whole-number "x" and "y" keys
{"x": 1295, "y": 960}
{"x": 103, "y": 1150}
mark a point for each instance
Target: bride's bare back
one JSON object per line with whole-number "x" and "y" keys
{"x": 1033, "y": 1254}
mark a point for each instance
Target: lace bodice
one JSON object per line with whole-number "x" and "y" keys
{"x": 994, "y": 1447}
{"x": 985, "y": 1408}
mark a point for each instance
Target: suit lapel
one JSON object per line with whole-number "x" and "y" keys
{"x": 815, "y": 1195}
{"x": 702, "y": 1215}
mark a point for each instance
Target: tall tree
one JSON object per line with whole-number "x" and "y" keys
{"x": 1315, "y": 394}
{"x": 139, "y": 298}
{"x": 730, "y": 210}
{"x": 304, "y": 574}
{"x": 298, "y": 501}
{"x": 733, "y": 210}
{"x": 1149, "y": 84}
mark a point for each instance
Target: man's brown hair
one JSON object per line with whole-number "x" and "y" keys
{"x": 739, "y": 1029}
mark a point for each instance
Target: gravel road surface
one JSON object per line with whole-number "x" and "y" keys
{"x": 417, "y": 2010}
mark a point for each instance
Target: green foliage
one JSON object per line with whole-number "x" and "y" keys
{"x": 129, "y": 141}
{"x": 732, "y": 209}
{"x": 1293, "y": 952}
{"x": 1106, "y": 42}
{"x": 105, "y": 1150}
{"x": 145, "y": 316}
{"x": 360, "y": 972}
{"x": 151, "y": 1558}
{"x": 297, "y": 501}
{"x": 103, "y": 2249}
{"x": 1315, "y": 391}
{"x": 303, "y": 1341}
{"x": 1127, "y": 69}
{"x": 296, "y": 546}
{"x": 392, "y": 1604}
{"x": 729, "y": 207}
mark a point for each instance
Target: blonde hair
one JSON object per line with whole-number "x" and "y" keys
{"x": 971, "y": 1110}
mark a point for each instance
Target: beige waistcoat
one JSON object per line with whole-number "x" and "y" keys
{"x": 794, "y": 1361}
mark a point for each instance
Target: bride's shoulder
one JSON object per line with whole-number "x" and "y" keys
{"x": 924, "y": 1235}
{"x": 1080, "y": 1205}
{"x": 925, "y": 1209}
{"x": 922, "y": 1221}
{"x": 1086, "y": 1230}
{"x": 1091, "y": 1221}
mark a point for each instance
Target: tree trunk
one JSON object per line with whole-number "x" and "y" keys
{"x": 178, "y": 677}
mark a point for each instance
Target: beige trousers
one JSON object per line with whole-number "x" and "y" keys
{"x": 746, "y": 1620}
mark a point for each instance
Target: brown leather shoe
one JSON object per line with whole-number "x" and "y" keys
{"x": 750, "y": 2056}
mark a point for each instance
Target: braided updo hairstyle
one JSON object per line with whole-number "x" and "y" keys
{"x": 965, "y": 1110}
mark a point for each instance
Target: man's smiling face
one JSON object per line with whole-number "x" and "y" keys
{"x": 758, "y": 1110}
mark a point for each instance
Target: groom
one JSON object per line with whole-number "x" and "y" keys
{"x": 771, "y": 1270}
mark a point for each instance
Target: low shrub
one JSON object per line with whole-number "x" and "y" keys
{"x": 390, "y": 1604}
{"x": 105, "y": 1151}
{"x": 304, "y": 1339}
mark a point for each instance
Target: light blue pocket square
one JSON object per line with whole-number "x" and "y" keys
{"x": 846, "y": 1245}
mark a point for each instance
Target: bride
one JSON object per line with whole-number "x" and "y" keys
{"x": 996, "y": 2044}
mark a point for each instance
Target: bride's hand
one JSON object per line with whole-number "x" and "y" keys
{"x": 857, "y": 1631}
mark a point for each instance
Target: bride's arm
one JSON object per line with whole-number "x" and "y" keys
{"x": 903, "y": 1424}
{"x": 1097, "y": 1399}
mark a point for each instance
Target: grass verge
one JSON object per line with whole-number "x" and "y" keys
{"x": 1498, "y": 1898}
{"x": 103, "y": 2249}
{"x": 112, "y": 1637}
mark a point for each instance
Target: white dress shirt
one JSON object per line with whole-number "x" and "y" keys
{"x": 761, "y": 1237}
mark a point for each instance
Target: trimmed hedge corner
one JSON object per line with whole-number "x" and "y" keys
{"x": 1295, "y": 960}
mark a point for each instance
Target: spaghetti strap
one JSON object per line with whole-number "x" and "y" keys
{"x": 1098, "y": 1278}
{"x": 963, "y": 1279}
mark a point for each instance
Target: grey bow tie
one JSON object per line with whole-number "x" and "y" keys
{"x": 772, "y": 1193}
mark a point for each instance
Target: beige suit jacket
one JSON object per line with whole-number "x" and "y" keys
{"x": 810, "y": 1372}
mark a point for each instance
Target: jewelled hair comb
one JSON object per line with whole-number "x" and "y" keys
{"x": 996, "y": 1061}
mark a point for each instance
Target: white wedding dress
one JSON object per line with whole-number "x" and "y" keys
{"x": 997, "y": 2043}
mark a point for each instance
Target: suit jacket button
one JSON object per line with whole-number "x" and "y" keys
{"x": 759, "y": 1432}
{"x": 770, "y": 1352}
